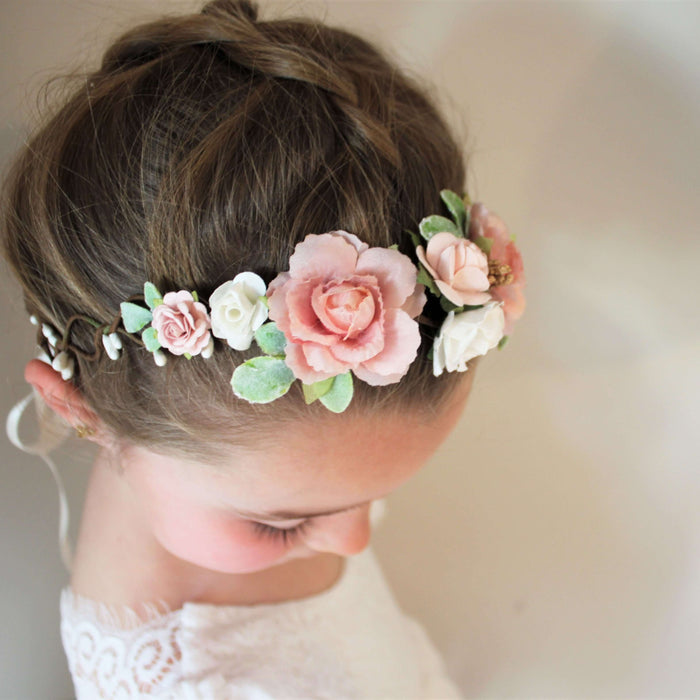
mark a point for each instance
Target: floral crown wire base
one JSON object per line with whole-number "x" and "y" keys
{"x": 343, "y": 309}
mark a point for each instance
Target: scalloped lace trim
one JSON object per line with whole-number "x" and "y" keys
{"x": 115, "y": 653}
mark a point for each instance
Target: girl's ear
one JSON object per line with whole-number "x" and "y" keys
{"x": 63, "y": 398}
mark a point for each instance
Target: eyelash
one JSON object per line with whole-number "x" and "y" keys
{"x": 278, "y": 533}
{"x": 285, "y": 534}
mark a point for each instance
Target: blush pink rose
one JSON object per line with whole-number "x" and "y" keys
{"x": 459, "y": 267}
{"x": 182, "y": 323}
{"x": 345, "y": 306}
{"x": 484, "y": 223}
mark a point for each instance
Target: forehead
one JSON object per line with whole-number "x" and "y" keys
{"x": 327, "y": 464}
{"x": 332, "y": 465}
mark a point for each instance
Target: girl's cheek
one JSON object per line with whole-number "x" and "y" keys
{"x": 217, "y": 542}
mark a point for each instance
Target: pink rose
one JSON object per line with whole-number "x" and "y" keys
{"x": 182, "y": 323}
{"x": 483, "y": 223}
{"x": 459, "y": 267}
{"x": 345, "y": 306}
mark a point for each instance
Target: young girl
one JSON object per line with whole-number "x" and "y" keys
{"x": 257, "y": 290}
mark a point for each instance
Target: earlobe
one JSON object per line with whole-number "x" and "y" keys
{"x": 63, "y": 398}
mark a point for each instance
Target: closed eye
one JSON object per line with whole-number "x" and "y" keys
{"x": 286, "y": 535}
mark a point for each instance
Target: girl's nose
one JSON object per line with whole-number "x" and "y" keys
{"x": 344, "y": 533}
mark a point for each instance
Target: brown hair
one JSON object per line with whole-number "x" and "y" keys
{"x": 205, "y": 145}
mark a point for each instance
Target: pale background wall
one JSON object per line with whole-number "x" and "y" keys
{"x": 552, "y": 548}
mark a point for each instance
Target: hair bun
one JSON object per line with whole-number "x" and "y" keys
{"x": 232, "y": 9}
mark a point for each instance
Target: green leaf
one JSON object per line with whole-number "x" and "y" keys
{"x": 152, "y": 296}
{"x": 512, "y": 238}
{"x": 484, "y": 243}
{"x": 262, "y": 379}
{"x": 150, "y": 339}
{"x": 338, "y": 398}
{"x": 455, "y": 206}
{"x": 448, "y": 306}
{"x": 424, "y": 277}
{"x": 195, "y": 296}
{"x": 270, "y": 339}
{"x": 502, "y": 342}
{"x": 134, "y": 317}
{"x": 438, "y": 224}
{"x": 317, "y": 389}
{"x": 415, "y": 238}
{"x": 395, "y": 246}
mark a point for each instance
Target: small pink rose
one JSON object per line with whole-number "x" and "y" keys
{"x": 345, "y": 306}
{"x": 484, "y": 223}
{"x": 182, "y": 323}
{"x": 459, "y": 267}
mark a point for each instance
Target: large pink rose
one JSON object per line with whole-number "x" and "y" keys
{"x": 484, "y": 223}
{"x": 182, "y": 323}
{"x": 345, "y": 306}
{"x": 459, "y": 267}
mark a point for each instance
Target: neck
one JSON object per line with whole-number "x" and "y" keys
{"x": 119, "y": 561}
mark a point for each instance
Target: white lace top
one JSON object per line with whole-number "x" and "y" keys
{"x": 351, "y": 641}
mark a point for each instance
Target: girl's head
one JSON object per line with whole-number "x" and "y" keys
{"x": 203, "y": 146}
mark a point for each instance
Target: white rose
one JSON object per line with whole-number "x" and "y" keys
{"x": 237, "y": 311}
{"x": 466, "y": 335}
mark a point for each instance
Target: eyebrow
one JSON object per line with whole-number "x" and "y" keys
{"x": 289, "y": 515}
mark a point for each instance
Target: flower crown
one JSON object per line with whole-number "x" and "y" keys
{"x": 342, "y": 309}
